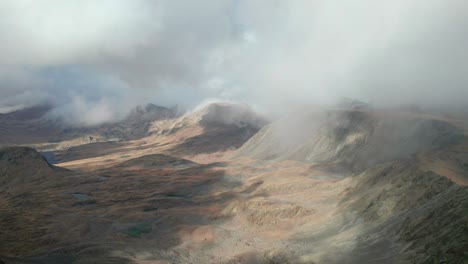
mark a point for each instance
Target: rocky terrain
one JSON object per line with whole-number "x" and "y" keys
{"x": 222, "y": 185}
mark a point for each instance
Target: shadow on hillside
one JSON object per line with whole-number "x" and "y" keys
{"x": 140, "y": 207}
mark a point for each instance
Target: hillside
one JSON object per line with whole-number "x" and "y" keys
{"x": 203, "y": 135}
{"x": 36, "y": 125}
{"x": 219, "y": 185}
{"x": 353, "y": 139}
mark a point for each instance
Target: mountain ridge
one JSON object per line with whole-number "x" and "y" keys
{"x": 221, "y": 184}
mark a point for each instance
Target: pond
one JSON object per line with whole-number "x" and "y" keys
{"x": 81, "y": 196}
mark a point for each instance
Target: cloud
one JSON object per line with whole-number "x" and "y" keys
{"x": 50, "y": 50}
{"x": 54, "y": 32}
{"x": 122, "y": 53}
{"x": 388, "y": 53}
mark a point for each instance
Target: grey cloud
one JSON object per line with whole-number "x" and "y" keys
{"x": 267, "y": 53}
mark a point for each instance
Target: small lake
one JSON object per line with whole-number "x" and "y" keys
{"x": 81, "y": 196}
{"x": 49, "y": 156}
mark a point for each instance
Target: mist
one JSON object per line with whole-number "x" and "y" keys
{"x": 95, "y": 60}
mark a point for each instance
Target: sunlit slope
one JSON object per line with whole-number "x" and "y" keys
{"x": 353, "y": 139}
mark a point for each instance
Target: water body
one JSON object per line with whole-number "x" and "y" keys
{"x": 49, "y": 156}
{"x": 81, "y": 196}
{"x": 103, "y": 177}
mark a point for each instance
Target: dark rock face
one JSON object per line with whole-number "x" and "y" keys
{"x": 215, "y": 139}
{"x": 226, "y": 126}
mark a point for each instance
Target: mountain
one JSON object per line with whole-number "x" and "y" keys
{"x": 25, "y": 126}
{"x": 34, "y": 125}
{"x": 203, "y": 135}
{"x": 355, "y": 139}
{"x": 224, "y": 126}
{"x": 220, "y": 184}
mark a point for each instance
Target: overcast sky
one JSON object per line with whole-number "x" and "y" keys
{"x": 96, "y": 59}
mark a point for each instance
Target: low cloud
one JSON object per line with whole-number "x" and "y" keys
{"x": 95, "y": 60}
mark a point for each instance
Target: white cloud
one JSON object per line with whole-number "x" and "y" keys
{"x": 47, "y": 32}
{"x": 263, "y": 52}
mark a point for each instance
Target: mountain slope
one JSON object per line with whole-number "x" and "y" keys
{"x": 352, "y": 139}
{"x": 418, "y": 216}
{"x": 203, "y": 135}
{"x": 36, "y": 125}
{"x": 22, "y": 166}
{"x": 347, "y": 186}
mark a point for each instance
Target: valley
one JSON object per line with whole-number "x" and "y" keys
{"x": 221, "y": 184}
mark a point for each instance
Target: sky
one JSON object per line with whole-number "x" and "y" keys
{"x": 94, "y": 60}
